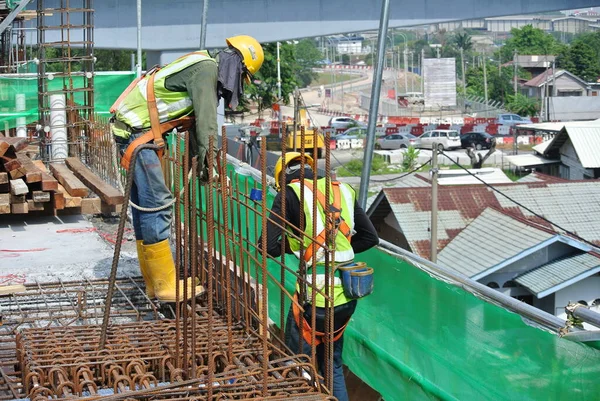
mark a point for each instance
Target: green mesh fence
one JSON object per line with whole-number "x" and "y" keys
{"x": 107, "y": 88}
{"x": 419, "y": 338}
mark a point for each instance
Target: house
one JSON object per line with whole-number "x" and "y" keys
{"x": 545, "y": 260}
{"x": 564, "y": 82}
{"x": 534, "y": 64}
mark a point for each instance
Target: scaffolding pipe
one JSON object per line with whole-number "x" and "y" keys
{"x": 374, "y": 106}
{"x": 583, "y": 313}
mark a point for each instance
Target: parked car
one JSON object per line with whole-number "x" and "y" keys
{"x": 344, "y": 122}
{"x": 397, "y": 141}
{"x": 512, "y": 119}
{"x": 477, "y": 140}
{"x": 356, "y": 132}
{"x": 415, "y": 97}
{"x": 445, "y": 138}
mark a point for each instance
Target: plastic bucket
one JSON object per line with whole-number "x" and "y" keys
{"x": 357, "y": 279}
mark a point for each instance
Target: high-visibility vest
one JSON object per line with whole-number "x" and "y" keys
{"x": 133, "y": 108}
{"x": 343, "y": 247}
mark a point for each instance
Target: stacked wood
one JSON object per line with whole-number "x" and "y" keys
{"x": 28, "y": 186}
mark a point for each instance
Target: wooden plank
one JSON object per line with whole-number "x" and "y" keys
{"x": 58, "y": 200}
{"x": 40, "y": 196}
{"x": 4, "y": 203}
{"x": 17, "y": 143}
{"x": 49, "y": 183}
{"x": 32, "y": 174}
{"x": 4, "y": 146}
{"x": 106, "y": 192}
{"x": 91, "y": 206}
{"x": 68, "y": 180}
{"x": 3, "y": 178}
{"x": 12, "y": 289}
{"x": 18, "y": 187}
{"x": 18, "y": 198}
{"x": 35, "y": 206}
{"x": 19, "y": 208}
{"x": 70, "y": 201}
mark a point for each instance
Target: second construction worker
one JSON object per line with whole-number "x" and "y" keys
{"x": 162, "y": 100}
{"x": 363, "y": 237}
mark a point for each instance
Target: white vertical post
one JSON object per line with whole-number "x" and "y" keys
{"x": 58, "y": 126}
{"x": 139, "y": 38}
{"x": 20, "y": 106}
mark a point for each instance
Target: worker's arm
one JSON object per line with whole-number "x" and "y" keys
{"x": 366, "y": 236}
{"x": 200, "y": 82}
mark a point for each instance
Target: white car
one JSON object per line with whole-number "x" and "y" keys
{"x": 344, "y": 122}
{"x": 398, "y": 141}
{"x": 446, "y": 139}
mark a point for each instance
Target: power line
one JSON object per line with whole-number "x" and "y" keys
{"x": 572, "y": 234}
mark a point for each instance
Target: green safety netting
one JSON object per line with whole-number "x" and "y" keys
{"x": 419, "y": 338}
{"x": 107, "y": 88}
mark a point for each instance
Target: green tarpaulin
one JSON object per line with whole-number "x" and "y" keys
{"x": 107, "y": 88}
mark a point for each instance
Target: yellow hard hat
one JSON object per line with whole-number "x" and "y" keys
{"x": 290, "y": 157}
{"x": 251, "y": 51}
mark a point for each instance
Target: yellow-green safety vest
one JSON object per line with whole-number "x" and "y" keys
{"x": 133, "y": 110}
{"x": 343, "y": 248}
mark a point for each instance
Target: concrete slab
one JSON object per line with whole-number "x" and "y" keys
{"x": 68, "y": 248}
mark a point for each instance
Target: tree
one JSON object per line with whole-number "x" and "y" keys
{"x": 523, "y": 105}
{"x": 307, "y": 57}
{"x": 345, "y": 59}
{"x": 499, "y": 83}
{"x": 582, "y": 57}
{"x": 462, "y": 40}
{"x": 264, "y": 90}
{"x": 529, "y": 40}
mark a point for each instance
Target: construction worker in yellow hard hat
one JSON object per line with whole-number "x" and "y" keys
{"x": 354, "y": 235}
{"x": 162, "y": 100}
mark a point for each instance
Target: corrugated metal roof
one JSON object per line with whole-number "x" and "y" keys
{"x": 574, "y": 205}
{"x": 541, "y": 148}
{"x": 556, "y": 127}
{"x": 543, "y": 280}
{"x": 529, "y": 160}
{"x": 539, "y": 177}
{"x": 586, "y": 141}
{"x": 461, "y": 177}
{"x": 489, "y": 240}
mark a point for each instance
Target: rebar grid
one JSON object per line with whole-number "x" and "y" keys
{"x": 58, "y": 305}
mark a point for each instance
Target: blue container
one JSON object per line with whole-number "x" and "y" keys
{"x": 256, "y": 194}
{"x": 357, "y": 280}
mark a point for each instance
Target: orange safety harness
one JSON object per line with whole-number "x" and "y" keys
{"x": 335, "y": 222}
{"x": 157, "y": 129}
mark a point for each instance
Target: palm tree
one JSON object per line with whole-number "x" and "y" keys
{"x": 463, "y": 41}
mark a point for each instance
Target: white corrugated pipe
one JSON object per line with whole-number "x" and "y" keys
{"x": 58, "y": 127}
{"x": 20, "y": 106}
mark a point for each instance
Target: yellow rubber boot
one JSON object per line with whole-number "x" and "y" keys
{"x": 144, "y": 269}
{"x": 160, "y": 265}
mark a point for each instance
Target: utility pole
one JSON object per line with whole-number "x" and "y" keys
{"x": 421, "y": 71}
{"x": 405, "y": 70}
{"x": 412, "y": 78}
{"x": 139, "y": 39}
{"x": 296, "y": 114}
{"x": 203, "y": 25}
{"x": 434, "y": 201}
{"x": 374, "y": 105}
{"x": 485, "y": 86}
{"x": 516, "y": 70}
{"x": 462, "y": 62}
{"x": 279, "y": 117}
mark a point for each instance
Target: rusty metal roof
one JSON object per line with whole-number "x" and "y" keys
{"x": 573, "y": 205}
